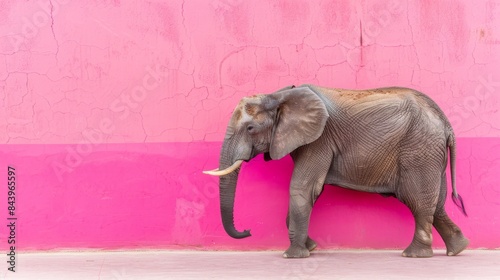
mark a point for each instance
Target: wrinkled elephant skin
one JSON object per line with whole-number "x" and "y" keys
{"x": 392, "y": 141}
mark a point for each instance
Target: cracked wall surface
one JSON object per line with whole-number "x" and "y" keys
{"x": 110, "y": 109}
{"x": 64, "y": 66}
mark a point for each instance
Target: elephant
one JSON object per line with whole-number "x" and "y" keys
{"x": 392, "y": 141}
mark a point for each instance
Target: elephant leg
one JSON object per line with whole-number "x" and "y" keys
{"x": 299, "y": 215}
{"x": 452, "y": 235}
{"x": 449, "y": 231}
{"x": 421, "y": 245}
{"x": 305, "y": 187}
{"x": 421, "y": 197}
{"x": 310, "y": 243}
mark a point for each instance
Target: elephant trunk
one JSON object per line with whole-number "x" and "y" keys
{"x": 227, "y": 185}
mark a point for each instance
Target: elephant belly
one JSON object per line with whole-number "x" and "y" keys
{"x": 364, "y": 176}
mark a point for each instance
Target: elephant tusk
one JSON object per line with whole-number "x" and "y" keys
{"x": 217, "y": 172}
{"x": 216, "y": 169}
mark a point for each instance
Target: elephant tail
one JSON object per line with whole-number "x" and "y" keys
{"x": 457, "y": 199}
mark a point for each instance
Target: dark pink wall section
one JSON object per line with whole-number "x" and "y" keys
{"x": 154, "y": 196}
{"x": 110, "y": 110}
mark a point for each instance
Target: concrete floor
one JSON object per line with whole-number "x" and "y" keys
{"x": 471, "y": 264}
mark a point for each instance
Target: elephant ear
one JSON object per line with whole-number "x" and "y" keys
{"x": 301, "y": 118}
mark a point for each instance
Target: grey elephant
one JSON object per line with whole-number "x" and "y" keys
{"x": 392, "y": 141}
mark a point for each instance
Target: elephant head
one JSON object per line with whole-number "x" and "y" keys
{"x": 274, "y": 124}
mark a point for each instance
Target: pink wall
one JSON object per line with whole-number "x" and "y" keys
{"x": 111, "y": 109}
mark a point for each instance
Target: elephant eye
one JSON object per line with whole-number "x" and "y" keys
{"x": 250, "y": 128}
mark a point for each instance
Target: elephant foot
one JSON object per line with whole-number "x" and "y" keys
{"x": 295, "y": 251}
{"x": 417, "y": 252}
{"x": 311, "y": 244}
{"x": 456, "y": 244}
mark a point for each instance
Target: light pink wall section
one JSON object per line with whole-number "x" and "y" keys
{"x": 110, "y": 110}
